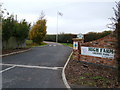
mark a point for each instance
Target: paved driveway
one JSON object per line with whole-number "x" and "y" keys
{"x": 40, "y": 67}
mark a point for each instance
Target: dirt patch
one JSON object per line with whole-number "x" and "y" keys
{"x": 81, "y": 74}
{"x": 13, "y": 50}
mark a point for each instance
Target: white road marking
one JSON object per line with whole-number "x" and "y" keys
{"x": 7, "y": 69}
{"x": 53, "y": 45}
{"x": 50, "y": 45}
{"x": 63, "y": 74}
{"x": 38, "y": 67}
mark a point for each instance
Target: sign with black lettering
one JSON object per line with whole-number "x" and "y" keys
{"x": 98, "y": 52}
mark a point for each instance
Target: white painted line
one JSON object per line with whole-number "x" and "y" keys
{"x": 54, "y": 45}
{"x": 7, "y": 69}
{"x": 7, "y": 64}
{"x": 63, "y": 74}
{"x": 50, "y": 45}
{"x": 38, "y": 67}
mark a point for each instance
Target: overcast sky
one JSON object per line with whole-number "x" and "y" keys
{"x": 79, "y": 16}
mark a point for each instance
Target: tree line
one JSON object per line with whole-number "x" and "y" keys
{"x": 23, "y": 30}
{"x": 13, "y": 28}
{"x": 90, "y": 36}
{"x": 67, "y": 38}
{"x": 62, "y": 38}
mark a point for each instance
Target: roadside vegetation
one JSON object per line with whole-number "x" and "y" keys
{"x": 14, "y": 29}
{"x": 116, "y": 25}
{"x": 21, "y": 35}
{"x": 67, "y": 38}
{"x": 90, "y": 36}
{"x": 29, "y": 43}
{"x": 67, "y": 44}
{"x": 38, "y": 31}
{"x": 81, "y": 74}
{"x": 62, "y": 38}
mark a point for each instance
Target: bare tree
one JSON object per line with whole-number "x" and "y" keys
{"x": 116, "y": 27}
{"x": 42, "y": 15}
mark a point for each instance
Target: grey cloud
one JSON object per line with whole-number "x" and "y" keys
{"x": 77, "y": 16}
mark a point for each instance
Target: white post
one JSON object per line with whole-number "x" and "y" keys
{"x": 57, "y": 29}
{"x": 0, "y": 43}
{"x": 1, "y": 21}
{"x": 16, "y": 17}
{"x": 0, "y": 14}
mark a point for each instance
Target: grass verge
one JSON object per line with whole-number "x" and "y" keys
{"x": 30, "y": 43}
{"x": 67, "y": 44}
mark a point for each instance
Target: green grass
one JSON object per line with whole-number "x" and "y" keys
{"x": 30, "y": 43}
{"x": 99, "y": 78}
{"x": 82, "y": 77}
{"x": 93, "y": 81}
{"x": 67, "y": 44}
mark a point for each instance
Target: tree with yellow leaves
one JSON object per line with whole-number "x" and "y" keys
{"x": 38, "y": 32}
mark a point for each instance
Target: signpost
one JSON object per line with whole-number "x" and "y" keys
{"x": 76, "y": 46}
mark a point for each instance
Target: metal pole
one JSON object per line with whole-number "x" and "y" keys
{"x": 57, "y": 29}
{"x": 16, "y": 17}
{"x": 1, "y": 26}
{"x": 0, "y": 17}
{"x": 0, "y": 42}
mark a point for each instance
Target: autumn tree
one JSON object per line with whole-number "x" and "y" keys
{"x": 38, "y": 32}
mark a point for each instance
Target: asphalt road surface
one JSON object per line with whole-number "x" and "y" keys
{"x": 40, "y": 67}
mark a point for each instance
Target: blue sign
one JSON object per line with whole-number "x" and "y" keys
{"x": 75, "y": 45}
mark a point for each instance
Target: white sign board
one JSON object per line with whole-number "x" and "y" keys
{"x": 97, "y": 52}
{"x": 80, "y": 36}
{"x": 75, "y": 45}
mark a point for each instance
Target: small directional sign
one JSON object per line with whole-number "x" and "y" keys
{"x": 80, "y": 36}
{"x": 75, "y": 45}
